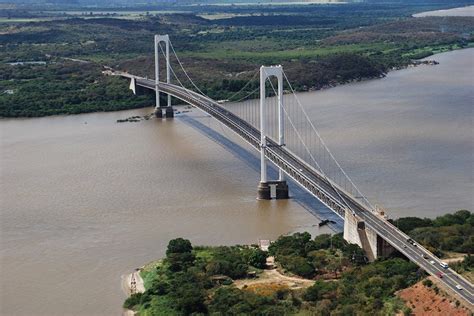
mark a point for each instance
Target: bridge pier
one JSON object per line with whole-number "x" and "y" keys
{"x": 282, "y": 192}
{"x": 164, "y": 112}
{"x": 159, "y": 112}
{"x": 357, "y": 232}
{"x": 264, "y": 190}
{"x": 169, "y": 113}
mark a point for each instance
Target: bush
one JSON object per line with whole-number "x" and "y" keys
{"x": 298, "y": 265}
{"x": 132, "y": 301}
{"x": 258, "y": 258}
{"x": 428, "y": 283}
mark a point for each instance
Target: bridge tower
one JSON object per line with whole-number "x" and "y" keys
{"x": 168, "y": 109}
{"x": 264, "y": 187}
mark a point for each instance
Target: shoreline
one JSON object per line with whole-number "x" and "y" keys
{"x": 447, "y": 12}
{"x": 414, "y": 63}
{"x": 132, "y": 283}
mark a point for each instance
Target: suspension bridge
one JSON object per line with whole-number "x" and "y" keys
{"x": 268, "y": 115}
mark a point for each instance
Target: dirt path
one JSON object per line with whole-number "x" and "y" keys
{"x": 455, "y": 259}
{"x": 273, "y": 276}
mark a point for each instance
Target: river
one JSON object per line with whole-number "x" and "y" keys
{"x": 85, "y": 200}
{"x": 462, "y": 11}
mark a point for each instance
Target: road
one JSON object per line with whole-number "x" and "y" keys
{"x": 322, "y": 188}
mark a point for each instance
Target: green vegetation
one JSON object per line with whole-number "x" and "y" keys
{"x": 202, "y": 280}
{"x": 319, "y": 46}
{"x": 182, "y": 282}
{"x": 60, "y": 88}
{"x": 199, "y": 280}
{"x": 365, "y": 290}
{"x": 465, "y": 267}
{"x": 450, "y": 232}
{"x": 302, "y": 256}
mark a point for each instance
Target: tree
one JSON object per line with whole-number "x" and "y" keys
{"x": 318, "y": 258}
{"x": 407, "y": 224}
{"x": 258, "y": 258}
{"x": 427, "y": 283}
{"x": 215, "y": 267}
{"x": 179, "y": 245}
{"x": 335, "y": 265}
{"x": 322, "y": 241}
{"x": 189, "y": 299}
{"x": 224, "y": 298}
{"x": 298, "y": 265}
{"x": 187, "y": 291}
{"x": 295, "y": 244}
{"x": 132, "y": 301}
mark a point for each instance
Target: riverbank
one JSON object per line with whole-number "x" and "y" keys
{"x": 219, "y": 55}
{"x": 297, "y": 275}
{"x": 132, "y": 284}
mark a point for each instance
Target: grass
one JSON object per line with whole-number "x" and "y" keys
{"x": 431, "y": 50}
{"x": 150, "y": 271}
{"x": 203, "y": 253}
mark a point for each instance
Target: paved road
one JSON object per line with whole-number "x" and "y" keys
{"x": 323, "y": 189}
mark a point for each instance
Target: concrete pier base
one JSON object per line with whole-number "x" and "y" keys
{"x": 282, "y": 191}
{"x": 159, "y": 113}
{"x": 356, "y": 232}
{"x": 263, "y": 191}
{"x": 164, "y": 112}
{"x": 169, "y": 113}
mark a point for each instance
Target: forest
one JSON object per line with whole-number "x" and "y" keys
{"x": 318, "y": 45}
{"x": 447, "y": 233}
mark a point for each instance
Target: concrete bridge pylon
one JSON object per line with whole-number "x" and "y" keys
{"x": 264, "y": 187}
{"x": 162, "y": 111}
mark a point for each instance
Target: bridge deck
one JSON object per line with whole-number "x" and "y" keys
{"x": 322, "y": 188}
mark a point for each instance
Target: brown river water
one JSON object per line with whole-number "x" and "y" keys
{"x": 85, "y": 200}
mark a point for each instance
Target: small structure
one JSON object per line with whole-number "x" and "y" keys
{"x": 263, "y": 244}
{"x": 221, "y": 280}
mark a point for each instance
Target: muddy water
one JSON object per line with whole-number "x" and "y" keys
{"x": 407, "y": 140}
{"x": 85, "y": 200}
{"x": 83, "y": 204}
{"x": 462, "y": 11}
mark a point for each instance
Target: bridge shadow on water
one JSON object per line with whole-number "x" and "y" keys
{"x": 301, "y": 196}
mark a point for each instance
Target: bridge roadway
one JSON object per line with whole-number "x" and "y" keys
{"x": 322, "y": 188}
